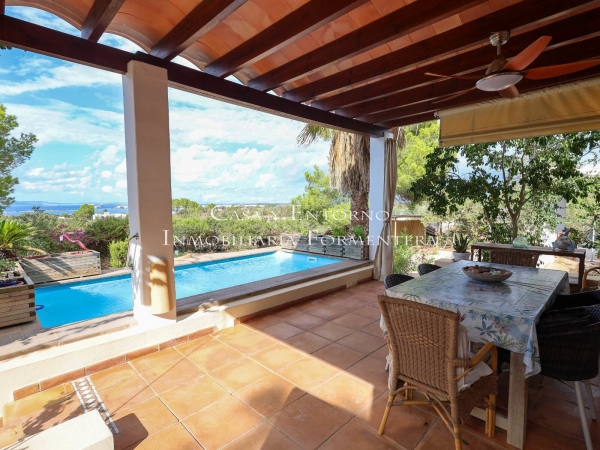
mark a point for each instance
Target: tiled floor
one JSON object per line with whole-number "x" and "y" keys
{"x": 308, "y": 377}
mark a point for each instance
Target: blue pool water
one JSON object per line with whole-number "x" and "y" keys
{"x": 83, "y": 300}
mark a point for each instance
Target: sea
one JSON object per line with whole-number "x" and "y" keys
{"x": 21, "y": 207}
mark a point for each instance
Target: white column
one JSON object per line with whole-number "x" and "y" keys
{"x": 375, "y": 194}
{"x": 146, "y": 105}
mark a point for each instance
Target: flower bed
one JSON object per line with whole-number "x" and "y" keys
{"x": 61, "y": 266}
{"x": 17, "y": 298}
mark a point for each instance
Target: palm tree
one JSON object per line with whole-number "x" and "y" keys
{"x": 349, "y": 164}
{"x": 14, "y": 237}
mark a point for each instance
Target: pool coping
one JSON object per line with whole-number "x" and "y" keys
{"x": 219, "y": 297}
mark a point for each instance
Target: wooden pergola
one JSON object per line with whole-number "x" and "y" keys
{"x": 355, "y": 65}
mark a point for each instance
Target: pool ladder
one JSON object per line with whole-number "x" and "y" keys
{"x": 129, "y": 254}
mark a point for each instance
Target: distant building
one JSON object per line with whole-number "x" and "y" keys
{"x": 106, "y": 214}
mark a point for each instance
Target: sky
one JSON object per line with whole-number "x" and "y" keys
{"x": 220, "y": 153}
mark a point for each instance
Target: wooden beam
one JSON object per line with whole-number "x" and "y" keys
{"x": 563, "y": 31}
{"x": 34, "y": 38}
{"x": 412, "y": 120}
{"x": 99, "y": 18}
{"x": 2, "y": 6}
{"x": 588, "y": 49}
{"x": 298, "y": 23}
{"x": 511, "y": 17}
{"x": 395, "y": 25}
{"x": 203, "y": 18}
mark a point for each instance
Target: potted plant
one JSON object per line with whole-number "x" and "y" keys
{"x": 461, "y": 247}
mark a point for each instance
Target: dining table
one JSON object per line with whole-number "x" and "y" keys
{"x": 505, "y": 313}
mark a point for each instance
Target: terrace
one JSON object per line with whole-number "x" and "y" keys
{"x": 185, "y": 371}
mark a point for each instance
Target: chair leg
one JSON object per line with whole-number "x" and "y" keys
{"x": 590, "y": 397}
{"x": 490, "y": 424}
{"x": 386, "y": 413}
{"x": 387, "y": 365}
{"x": 457, "y": 439}
{"x": 582, "y": 415}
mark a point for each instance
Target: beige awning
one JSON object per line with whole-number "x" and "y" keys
{"x": 562, "y": 109}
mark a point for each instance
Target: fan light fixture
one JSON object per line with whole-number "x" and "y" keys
{"x": 499, "y": 81}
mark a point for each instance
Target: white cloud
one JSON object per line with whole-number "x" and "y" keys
{"x": 60, "y": 178}
{"x": 122, "y": 167}
{"x": 121, "y": 184}
{"x": 109, "y": 156}
{"x": 106, "y": 174}
{"x": 263, "y": 179}
{"x": 35, "y": 172}
{"x": 42, "y": 18}
{"x": 107, "y": 189}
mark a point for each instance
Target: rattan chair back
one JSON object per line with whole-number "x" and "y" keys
{"x": 514, "y": 257}
{"x": 395, "y": 279}
{"x": 425, "y": 268}
{"x": 426, "y": 337}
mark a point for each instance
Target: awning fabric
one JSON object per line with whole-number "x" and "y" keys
{"x": 566, "y": 108}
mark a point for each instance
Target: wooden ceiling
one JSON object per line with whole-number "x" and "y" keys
{"x": 362, "y": 61}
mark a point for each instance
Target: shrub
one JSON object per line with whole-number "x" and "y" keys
{"x": 100, "y": 233}
{"x": 190, "y": 232}
{"x": 118, "y": 253}
{"x": 402, "y": 257}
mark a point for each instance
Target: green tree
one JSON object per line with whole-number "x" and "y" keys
{"x": 85, "y": 212}
{"x": 14, "y": 151}
{"x": 318, "y": 195}
{"x": 185, "y": 204}
{"x": 15, "y": 238}
{"x": 507, "y": 177}
{"x": 421, "y": 140}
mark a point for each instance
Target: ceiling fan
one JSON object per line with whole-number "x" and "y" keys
{"x": 502, "y": 75}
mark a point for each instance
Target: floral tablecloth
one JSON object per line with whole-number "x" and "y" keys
{"x": 503, "y": 313}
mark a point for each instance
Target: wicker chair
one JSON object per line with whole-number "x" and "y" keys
{"x": 425, "y": 268}
{"x": 578, "y": 300}
{"x": 585, "y": 286}
{"x": 427, "y": 339}
{"x": 570, "y": 353}
{"x": 514, "y": 257}
{"x": 395, "y": 279}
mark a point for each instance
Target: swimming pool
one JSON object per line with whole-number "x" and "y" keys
{"x": 82, "y": 300}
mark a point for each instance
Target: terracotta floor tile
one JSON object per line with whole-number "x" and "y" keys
{"x": 140, "y": 421}
{"x": 262, "y": 322}
{"x": 125, "y": 394}
{"x": 307, "y": 342}
{"x": 288, "y": 312}
{"x": 174, "y": 437}
{"x": 440, "y": 438}
{"x": 169, "y": 375}
{"x": 371, "y": 370}
{"x": 277, "y": 356}
{"x": 381, "y": 353}
{"x": 406, "y": 425}
{"x": 356, "y": 436}
{"x": 239, "y": 374}
{"x": 362, "y": 342}
{"x": 269, "y": 395}
{"x": 353, "y": 321}
{"x": 52, "y": 415}
{"x": 156, "y": 359}
{"x": 231, "y": 333}
{"x": 368, "y": 311}
{"x": 326, "y": 313}
{"x": 540, "y": 438}
{"x": 213, "y": 356}
{"x": 197, "y": 344}
{"x": 338, "y": 355}
{"x": 262, "y": 437}
{"x": 116, "y": 374}
{"x": 186, "y": 399}
{"x": 221, "y": 422}
{"x": 374, "y": 329}
{"x": 304, "y": 321}
{"x": 347, "y": 305}
{"x": 312, "y": 304}
{"x": 308, "y": 373}
{"x": 283, "y": 330}
{"x": 252, "y": 343}
{"x": 62, "y": 394}
{"x": 347, "y": 393}
{"x": 332, "y": 331}
{"x": 309, "y": 421}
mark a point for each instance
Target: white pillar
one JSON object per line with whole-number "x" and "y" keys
{"x": 375, "y": 194}
{"x": 146, "y": 104}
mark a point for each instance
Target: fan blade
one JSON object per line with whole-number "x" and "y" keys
{"x": 509, "y": 92}
{"x": 527, "y": 56}
{"x": 458, "y": 77}
{"x": 455, "y": 95}
{"x": 542, "y": 73}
